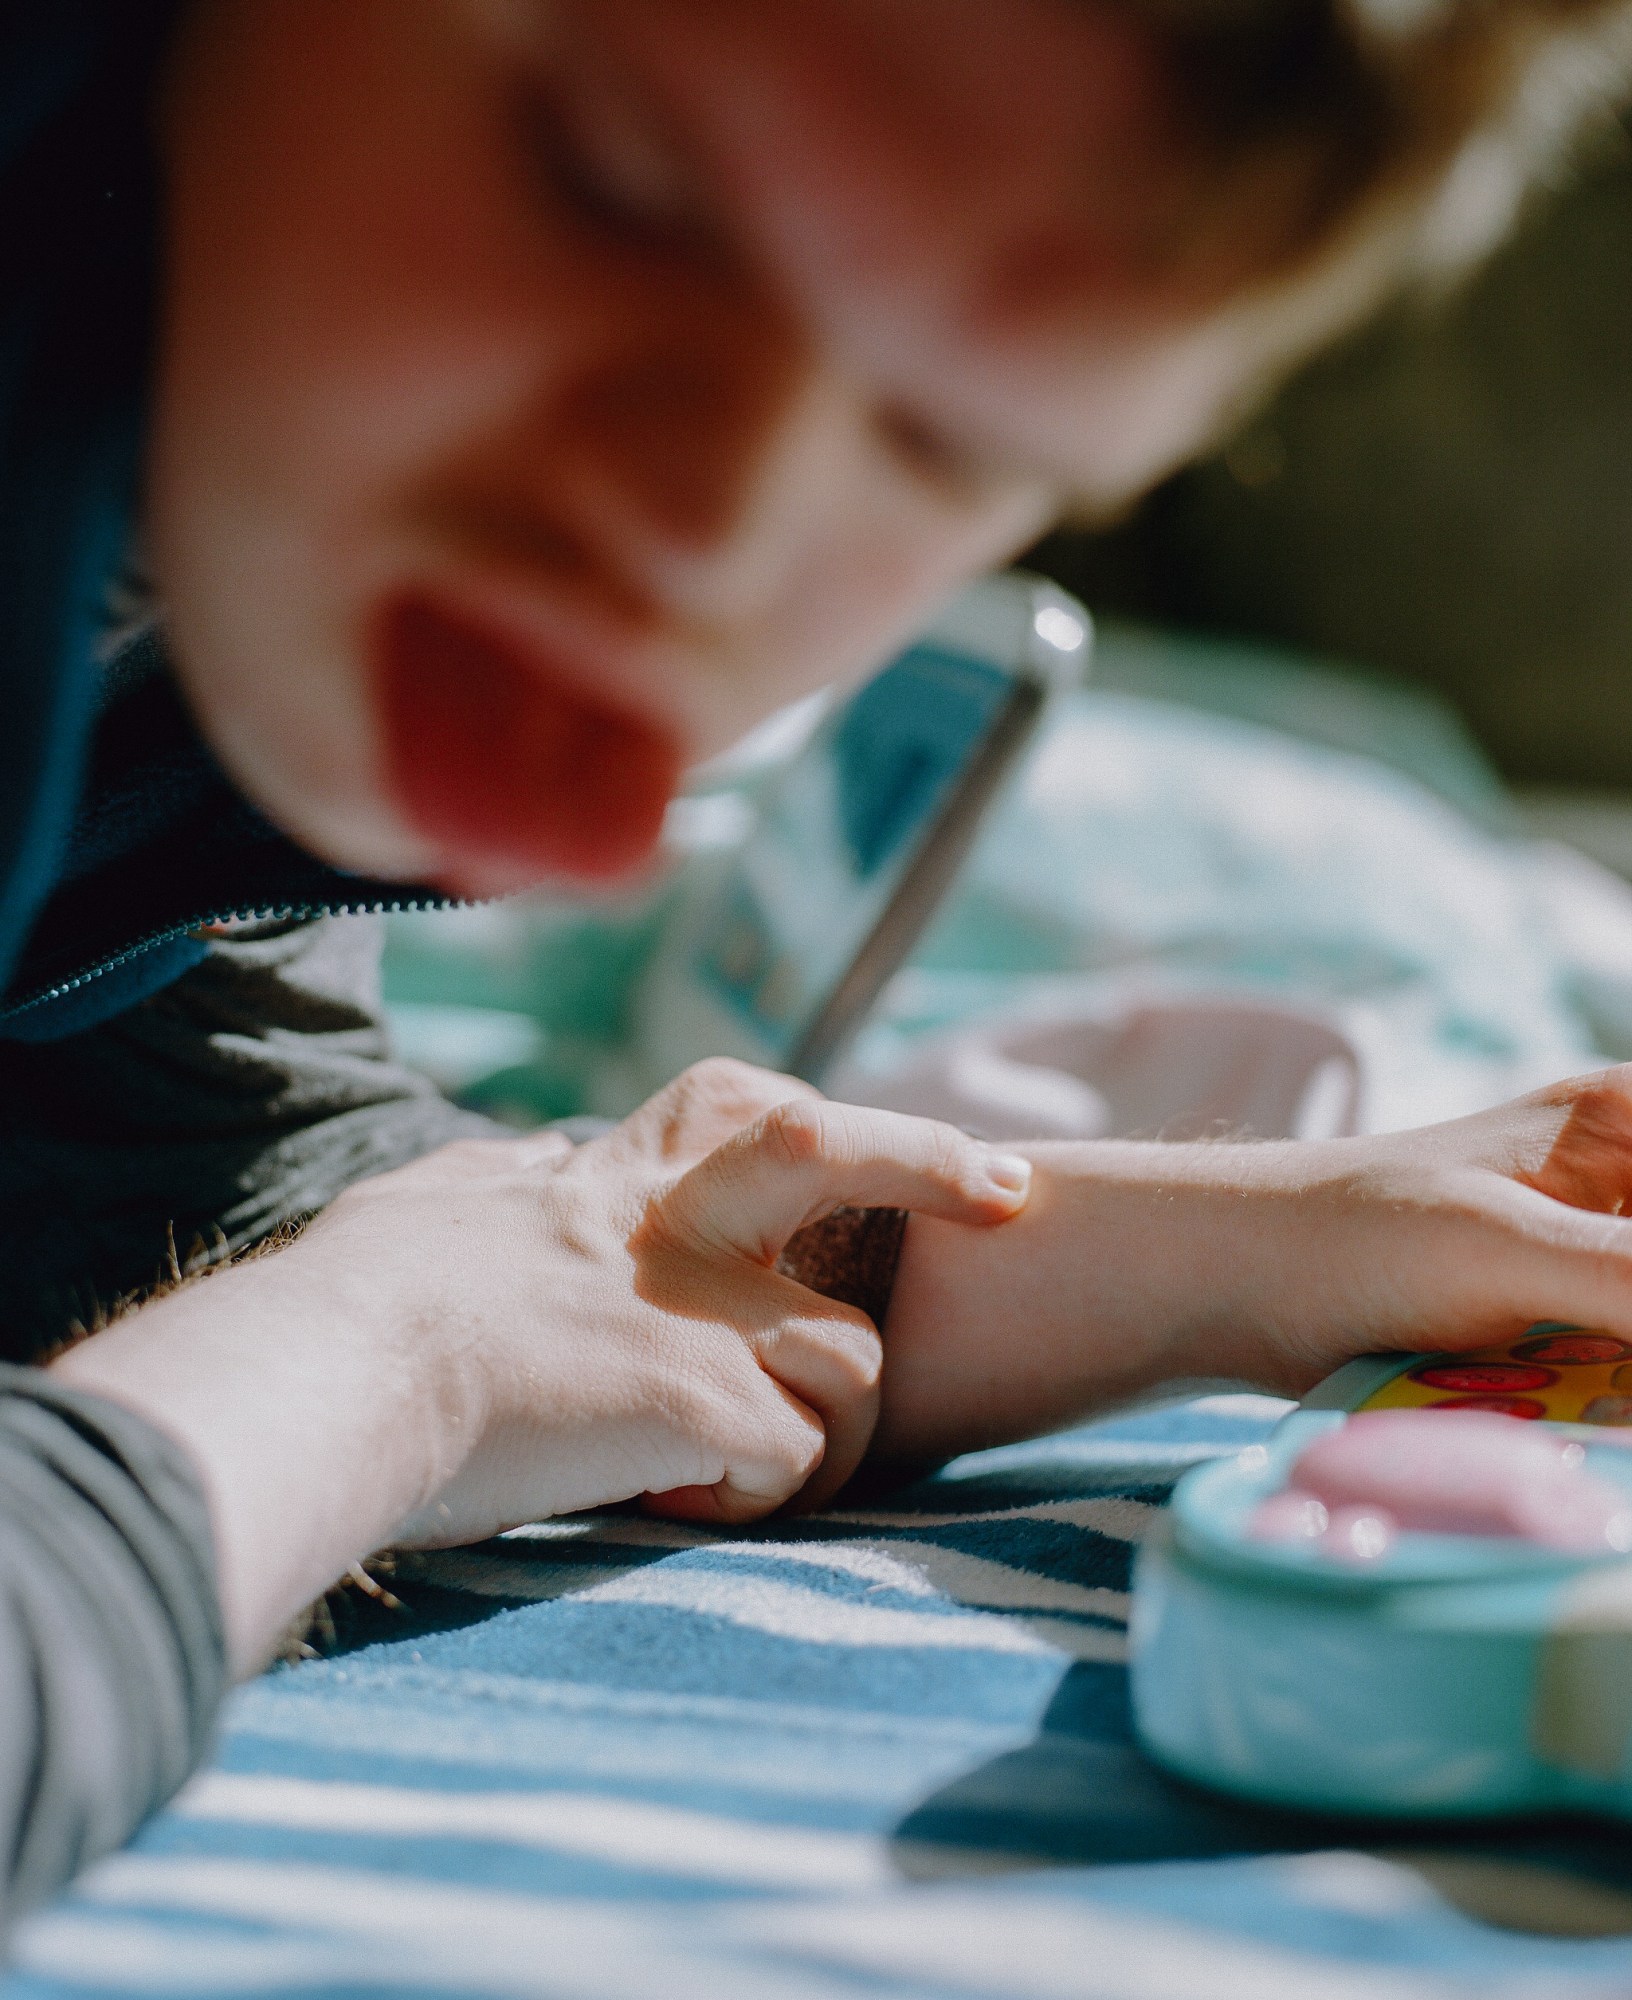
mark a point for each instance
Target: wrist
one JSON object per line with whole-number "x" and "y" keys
{"x": 411, "y": 1389}
{"x": 314, "y": 1420}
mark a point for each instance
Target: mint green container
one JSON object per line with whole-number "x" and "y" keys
{"x": 1457, "y": 1675}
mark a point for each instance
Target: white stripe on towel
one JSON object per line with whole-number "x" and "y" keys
{"x": 629, "y": 1833}
{"x": 1048, "y": 1948}
{"x": 786, "y": 1611}
{"x": 1118, "y": 1519}
{"x": 927, "y": 1569}
{"x": 385, "y": 1932}
{"x": 778, "y": 1608}
{"x": 1112, "y": 1515}
{"x": 389, "y": 1933}
{"x": 916, "y": 1569}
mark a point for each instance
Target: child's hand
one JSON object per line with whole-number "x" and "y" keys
{"x": 1264, "y": 1264}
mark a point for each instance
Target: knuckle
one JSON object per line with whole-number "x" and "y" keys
{"x": 753, "y": 1427}
{"x": 547, "y": 1145}
{"x": 713, "y": 1099}
{"x": 798, "y": 1447}
{"x": 954, "y": 1158}
{"x": 854, "y": 1343}
{"x": 722, "y": 1083}
{"x": 724, "y": 1074}
{"x": 794, "y": 1133}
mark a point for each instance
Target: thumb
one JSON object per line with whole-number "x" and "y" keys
{"x": 803, "y": 1159}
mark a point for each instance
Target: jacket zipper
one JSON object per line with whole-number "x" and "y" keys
{"x": 275, "y": 914}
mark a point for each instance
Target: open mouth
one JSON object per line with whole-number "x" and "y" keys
{"x": 506, "y": 761}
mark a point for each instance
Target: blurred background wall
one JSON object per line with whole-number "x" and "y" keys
{"x": 1448, "y": 497}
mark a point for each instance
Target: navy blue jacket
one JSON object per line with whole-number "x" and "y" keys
{"x": 119, "y": 838}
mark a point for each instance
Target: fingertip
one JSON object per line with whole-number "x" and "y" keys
{"x": 1010, "y": 1174}
{"x": 1002, "y": 1186}
{"x": 977, "y": 1183}
{"x": 700, "y": 1504}
{"x": 721, "y": 1506}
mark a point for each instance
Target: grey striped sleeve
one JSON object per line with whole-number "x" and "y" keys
{"x": 112, "y": 1657}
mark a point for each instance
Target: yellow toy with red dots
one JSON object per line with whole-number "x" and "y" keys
{"x": 1561, "y": 1374}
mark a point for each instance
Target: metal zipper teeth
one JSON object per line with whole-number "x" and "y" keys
{"x": 274, "y": 914}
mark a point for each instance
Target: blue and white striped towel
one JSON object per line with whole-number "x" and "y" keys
{"x": 882, "y": 1753}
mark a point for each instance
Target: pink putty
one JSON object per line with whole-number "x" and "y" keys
{"x": 1449, "y": 1472}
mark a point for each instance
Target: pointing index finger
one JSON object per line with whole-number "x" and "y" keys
{"x": 805, "y": 1158}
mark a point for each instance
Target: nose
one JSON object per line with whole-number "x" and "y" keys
{"x": 694, "y": 450}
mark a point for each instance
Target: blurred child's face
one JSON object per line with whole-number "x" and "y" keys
{"x": 550, "y": 390}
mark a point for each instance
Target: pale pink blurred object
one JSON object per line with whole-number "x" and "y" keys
{"x": 1290, "y": 1516}
{"x": 1465, "y": 1472}
{"x": 1359, "y": 1534}
{"x": 1186, "y": 1068}
{"x": 1349, "y": 1534}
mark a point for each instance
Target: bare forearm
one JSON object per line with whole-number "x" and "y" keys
{"x": 308, "y": 1440}
{"x": 1132, "y": 1265}
{"x": 1270, "y": 1264}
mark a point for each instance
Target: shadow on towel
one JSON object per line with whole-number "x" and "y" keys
{"x": 1081, "y": 1793}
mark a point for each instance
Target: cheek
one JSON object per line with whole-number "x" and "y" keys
{"x": 363, "y": 282}
{"x": 885, "y": 569}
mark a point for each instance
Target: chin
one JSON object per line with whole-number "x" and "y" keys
{"x": 333, "y": 807}
{"x": 360, "y": 832}
{"x": 283, "y": 706}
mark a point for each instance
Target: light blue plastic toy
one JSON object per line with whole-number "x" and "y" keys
{"x": 1455, "y": 1675}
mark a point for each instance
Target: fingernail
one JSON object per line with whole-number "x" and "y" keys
{"x": 1009, "y": 1172}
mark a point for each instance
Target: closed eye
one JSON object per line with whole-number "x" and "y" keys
{"x": 929, "y": 455}
{"x": 614, "y": 176}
